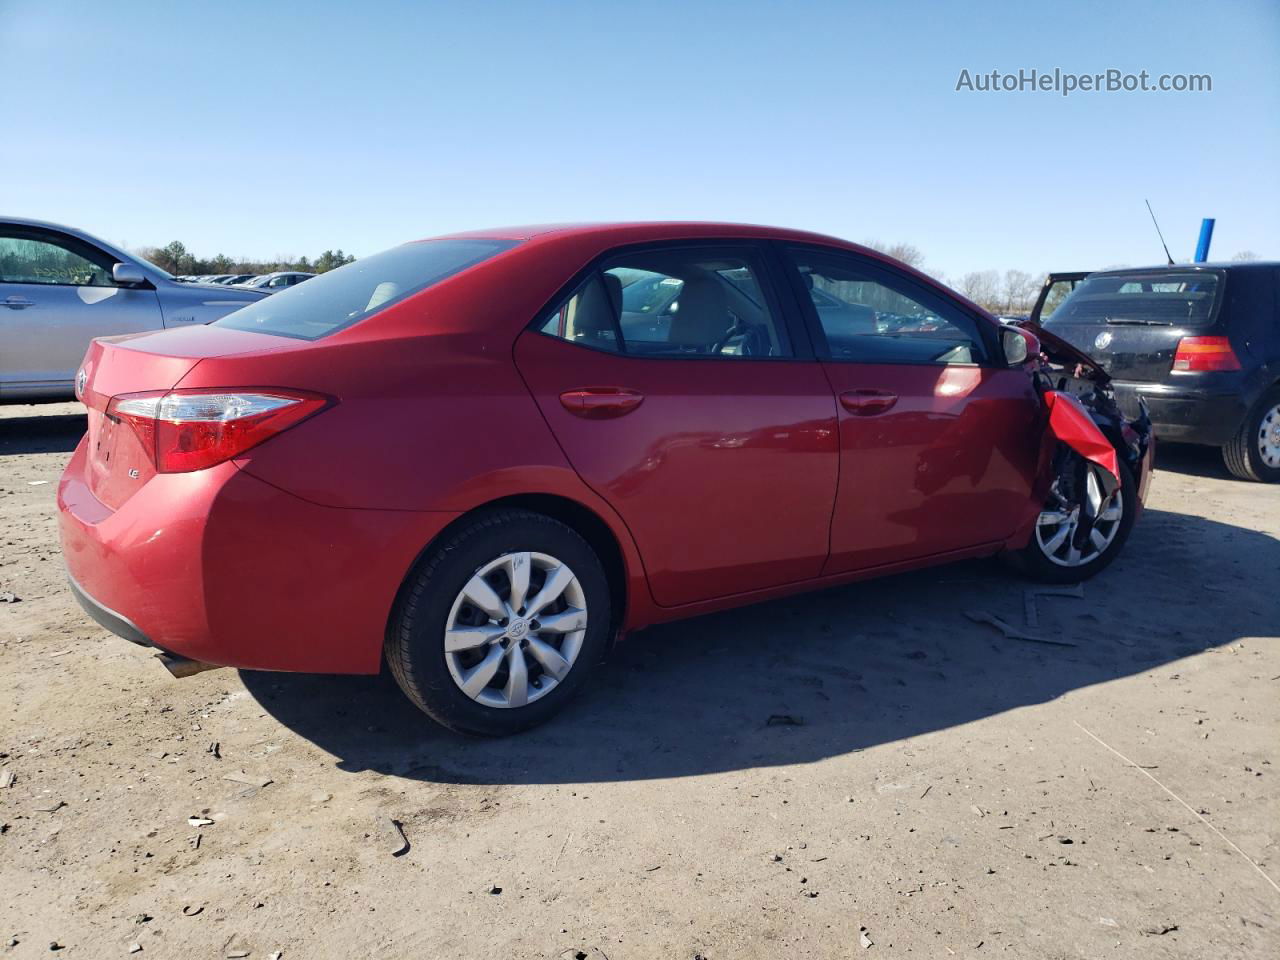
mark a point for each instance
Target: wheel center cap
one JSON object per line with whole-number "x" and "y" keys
{"x": 518, "y": 629}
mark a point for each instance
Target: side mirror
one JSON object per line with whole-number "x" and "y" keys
{"x": 1019, "y": 345}
{"x": 128, "y": 274}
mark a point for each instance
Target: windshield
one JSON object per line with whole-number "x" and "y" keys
{"x": 341, "y": 297}
{"x": 1160, "y": 298}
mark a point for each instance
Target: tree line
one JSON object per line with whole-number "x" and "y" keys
{"x": 178, "y": 260}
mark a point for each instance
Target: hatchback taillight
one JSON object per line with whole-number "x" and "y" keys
{"x": 1205, "y": 354}
{"x": 192, "y": 429}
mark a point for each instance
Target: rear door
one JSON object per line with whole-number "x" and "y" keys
{"x": 679, "y": 392}
{"x": 938, "y": 442}
{"x": 56, "y": 295}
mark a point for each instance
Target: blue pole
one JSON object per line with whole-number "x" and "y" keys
{"x": 1206, "y": 234}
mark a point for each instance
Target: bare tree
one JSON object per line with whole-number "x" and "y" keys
{"x": 905, "y": 252}
{"x": 1019, "y": 292}
{"x": 1245, "y": 255}
{"x": 982, "y": 287}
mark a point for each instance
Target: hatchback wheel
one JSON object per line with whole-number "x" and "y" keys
{"x": 501, "y": 624}
{"x": 1254, "y": 452}
{"x": 1065, "y": 548}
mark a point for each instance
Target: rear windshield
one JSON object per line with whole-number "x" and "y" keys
{"x": 1159, "y": 299}
{"x": 341, "y": 297}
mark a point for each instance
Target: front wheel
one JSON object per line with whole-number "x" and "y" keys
{"x": 1064, "y": 548}
{"x": 500, "y": 624}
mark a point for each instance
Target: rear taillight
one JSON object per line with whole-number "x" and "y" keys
{"x": 193, "y": 429}
{"x": 1205, "y": 354}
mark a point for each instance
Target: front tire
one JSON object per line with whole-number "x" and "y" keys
{"x": 500, "y": 624}
{"x": 1254, "y": 452}
{"x": 1050, "y": 556}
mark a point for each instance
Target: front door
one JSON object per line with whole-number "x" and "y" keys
{"x": 675, "y": 389}
{"x": 56, "y": 295}
{"x": 938, "y": 440}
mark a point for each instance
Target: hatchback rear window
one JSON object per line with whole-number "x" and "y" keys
{"x": 1166, "y": 298}
{"x": 337, "y": 299}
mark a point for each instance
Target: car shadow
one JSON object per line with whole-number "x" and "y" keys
{"x": 51, "y": 433}
{"x": 829, "y": 673}
{"x": 1193, "y": 460}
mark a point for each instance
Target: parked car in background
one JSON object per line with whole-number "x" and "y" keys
{"x": 1057, "y": 286}
{"x": 275, "y": 282}
{"x": 472, "y": 458}
{"x": 1200, "y": 342}
{"x": 61, "y": 287}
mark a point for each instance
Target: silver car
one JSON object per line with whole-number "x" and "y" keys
{"x": 60, "y": 288}
{"x": 275, "y": 282}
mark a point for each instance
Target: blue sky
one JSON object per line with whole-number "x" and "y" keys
{"x": 264, "y": 129}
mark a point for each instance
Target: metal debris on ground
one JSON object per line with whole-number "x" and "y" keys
{"x": 865, "y": 940}
{"x": 199, "y": 821}
{"x": 1159, "y": 929}
{"x": 1034, "y": 593}
{"x": 135, "y": 948}
{"x": 784, "y": 720}
{"x": 214, "y": 748}
{"x": 252, "y": 784}
{"x": 400, "y": 842}
{"x": 236, "y": 948}
{"x": 1011, "y": 632}
{"x": 10, "y": 598}
{"x": 192, "y": 909}
{"x": 6, "y": 779}
{"x": 52, "y": 807}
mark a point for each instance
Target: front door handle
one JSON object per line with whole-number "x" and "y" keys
{"x": 599, "y": 403}
{"x": 17, "y": 303}
{"x": 867, "y": 403}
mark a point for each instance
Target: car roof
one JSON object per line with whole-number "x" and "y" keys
{"x": 1233, "y": 265}
{"x": 640, "y": 231}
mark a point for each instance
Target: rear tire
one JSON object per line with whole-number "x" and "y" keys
{"x": 1036, "y": 563}
{"x": 1257, "y": 442}
{"x": 473, "y": 661}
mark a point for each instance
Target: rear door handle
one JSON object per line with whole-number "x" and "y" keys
{"x": 17, "y": 303}
{"x": 867, "y": 403}
{"x": 599, "y": 403}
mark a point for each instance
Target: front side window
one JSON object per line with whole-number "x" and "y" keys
{"x": 28, "y": 257}
{"x": 686, "y": 302}
{"x": 341, "y": 297}
{"x": 869, "y": 315}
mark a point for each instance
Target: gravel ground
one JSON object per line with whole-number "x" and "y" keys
{"x": 942, "y": 792}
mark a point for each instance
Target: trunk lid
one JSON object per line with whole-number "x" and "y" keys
{"x": 1130, "y": 322}
{"x": 118, "y": 464}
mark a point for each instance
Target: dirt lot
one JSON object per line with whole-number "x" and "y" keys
{"x": 944, "y": 792}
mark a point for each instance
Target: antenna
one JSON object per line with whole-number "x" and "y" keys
{"x": 1158, "y": 233}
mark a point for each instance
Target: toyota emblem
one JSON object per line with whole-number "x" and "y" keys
{"x": 81, "y": 379}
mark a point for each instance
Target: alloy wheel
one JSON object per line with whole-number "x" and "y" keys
{"x": 1056, "y": 528}
{"x": 1269, "y": 437}
{"x": 515, "y": 629}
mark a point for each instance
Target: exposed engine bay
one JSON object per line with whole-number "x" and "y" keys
{"x": 1092, "y": 436}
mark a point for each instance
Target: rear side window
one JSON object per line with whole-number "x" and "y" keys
{"x": 334, "y": 300}
{"x": 1163, "y": 298}
{"x": 681, "y": 302}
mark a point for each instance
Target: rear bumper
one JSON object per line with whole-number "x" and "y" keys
{"x": 1185, "y": 414}
{"x": 221, "y": 567}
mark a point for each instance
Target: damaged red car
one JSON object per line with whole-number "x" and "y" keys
{"x": 481, "y": 458}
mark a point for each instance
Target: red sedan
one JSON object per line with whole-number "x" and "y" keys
{"x": 483, "y": 457}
